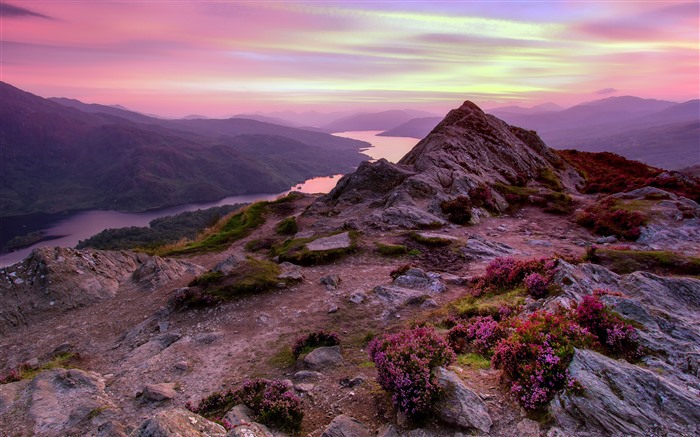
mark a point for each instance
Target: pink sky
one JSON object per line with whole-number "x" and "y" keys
{"x": 175, "y": 58}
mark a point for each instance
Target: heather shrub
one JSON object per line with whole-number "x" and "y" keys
{"x": 272, "y": 403}
{"x": 505, "y": 273}
{"x": 314, "y": 340}
{"x": 405, "y": 362}
{"x": 614, "y": 335}
{"x": 479, "y": 335}
{"x": 481, "y": 197}
{"x": 607, "y": 218}
{"x": 535, "y": 356}
{"x": 536, "y": 285}
{"x": 458, "y": 210}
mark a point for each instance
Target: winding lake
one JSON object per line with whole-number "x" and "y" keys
{"x": 66, "y": 229}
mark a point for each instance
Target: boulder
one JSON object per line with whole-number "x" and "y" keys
{"x": 461, "y": 406}
{"x": 346, "y": 426}
{"x": 155, "y": 271}
{"x": 290, "y": 272}
{"x": 623, "y": 399}
{"x": 229, "y": 264}
{"x": 306, "y": 375}
{"x": 417, "y": 279}
{"x": 331, "y": 281}
{"x": 334, "y": 242}
{"x": 158, "y": 392}
{"x": 178, "y": 422}
{"x": 243, "y": 425}
{"x": 61, "y": 401}
{"x": 395, "y": 297}
{"x": 478, "y": 248}
{"x": 323, "y": 357}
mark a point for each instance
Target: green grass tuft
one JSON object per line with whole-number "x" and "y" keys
{"x": 287, "y": 226}
{"x": 391, "y": 249}
{"x": 474, "y": 361}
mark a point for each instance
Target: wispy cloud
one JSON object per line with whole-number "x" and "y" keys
{"x": 10, "y": 11}
{"x": 606, "y": 91}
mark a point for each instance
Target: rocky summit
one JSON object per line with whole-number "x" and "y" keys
{"x": 483, "y": 285}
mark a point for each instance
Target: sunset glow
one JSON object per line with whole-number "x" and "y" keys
{"x": 219, "y": 58}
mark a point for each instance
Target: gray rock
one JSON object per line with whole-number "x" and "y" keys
{"x": 346, "y": 426}
{"x": 331, "y": 282}
{"x": 323, "y": 357}
{"x": 478, "y": 248}
{"x": 624, "y": 399}
{"x": 178, "y": 422}
{"x": 61, "y": 400}
{"x": 357, "y": 297}
{"x": 59, "y": 279}
{"x": 437, "y": 236}
{"x": 306, "y": 375}
{"x": 429, "y": 303}
{"x": 395, "y": 297}
{"x": 388, "y": 431}
{"x": 290, "y": 272}
{"x": 333, "y": 309}
{"x": 607, "y": 240}
{"x": 208, "y": 337}
{"x": 541, "y": 243}
{"x": 527, "y": 428}
{"x": 239, "y": 415}
{"x": 229, "y": 264}
{"x": 158, "y": 392}
{"x": 461, "y": 406}
{"x": 334, "y": 242}
{"x": 182, "y": 365}
{"x": 8, "y": 394}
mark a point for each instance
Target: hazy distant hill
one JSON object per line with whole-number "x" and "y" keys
{"x": 373, "y": 121}
{"x": 657, "y": 132}
{"x": 414, "y": 128}
{"x": 56, "y": 157}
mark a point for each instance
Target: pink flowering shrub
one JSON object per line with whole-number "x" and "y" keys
{"x": 508, "y": 273}
{"x": 536, "y": 285}
{"x": 614, "y": 335}
{"x": 479, "y": 335}
{"x": 405, "y": 362}
{"x": 314, "y": 340}
{"x": 272, "y": 403}
{"x": 534, "y": 358}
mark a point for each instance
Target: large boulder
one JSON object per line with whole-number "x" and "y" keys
{"x": 346, "y": 426}
{"x": 322, "y": 358}
{"x": 178, "y": 422}
{"x": 58, "y": 279}
{"x": 461, "y": 406}
{"x": 623, "y": 399}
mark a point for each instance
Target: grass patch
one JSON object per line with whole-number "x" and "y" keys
{"x": 252, "y": 276}
{"x": 206, "y": 279}
{"x": 287, "y": 226}
{"x": 231, "y": 228}
{"x": 430, "y": 241}
{"x": 391, "y": 249}
{"x": 24, "y": 371}
{"x": 283, "y": 358}
{"x": 489, "y": 304}
{"x": 549, "y": 179}
{"x": 474, "y": 361}
{"x": 656, "y": 261}
{"x": 295, "y": 251}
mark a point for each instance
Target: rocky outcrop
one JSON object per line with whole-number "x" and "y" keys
{"x": 468, "y": 149}
{"x": 624, "y": 399}
{"x": 178, "y": 422}
{"x": 346, "y": 426}
{"x": 461, "y": 406}
{"x": 55, "y": 279}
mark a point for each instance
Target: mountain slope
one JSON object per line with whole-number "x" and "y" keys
{"x": 58, "y": 158}
{"x": 414, "y": 128}
{"x": 373, "y": 121}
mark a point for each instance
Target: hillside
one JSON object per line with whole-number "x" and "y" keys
{"x": 59, "y": 158}
{"x": 373, "y": 121}
{"x": 642, "y": 129}
{"x": 413, "y": 128}
{"x": 484, "y": 285}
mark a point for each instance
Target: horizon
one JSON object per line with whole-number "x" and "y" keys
{"x": 225, "y": 58}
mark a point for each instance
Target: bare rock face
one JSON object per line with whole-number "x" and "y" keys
{"x": 466, "y": 150}
{"x": 346, "y": 426}
{"x": 620, "y": 398}
{"x": 57, "y": 279}
{"x": 56, "y": 402}
{"x": 178, "y": 422}
{"x": 624, "y": 399}
{"x": 461, "y": 406}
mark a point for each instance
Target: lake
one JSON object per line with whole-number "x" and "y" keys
{"x": 66, "y": 229}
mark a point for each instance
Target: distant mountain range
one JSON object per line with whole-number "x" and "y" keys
{"x": 657, "y": 132}
{"x": 373, "y": 120}
{"x": 62, "y": 154}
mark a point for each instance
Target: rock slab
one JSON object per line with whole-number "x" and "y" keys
{"x": 346, "y": 426}
{"x": 461, "y": 406}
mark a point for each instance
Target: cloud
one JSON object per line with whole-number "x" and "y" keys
{"x": 606, "y": 91}
{"x": 10, "y": 11}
